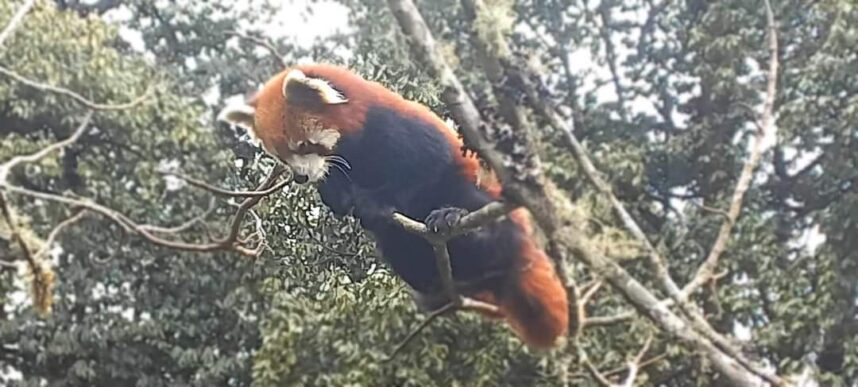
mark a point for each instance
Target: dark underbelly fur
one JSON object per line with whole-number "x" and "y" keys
{"x": 406, "y": 166}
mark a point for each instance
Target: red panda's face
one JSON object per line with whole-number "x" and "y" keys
{"x": 287, "y": 118}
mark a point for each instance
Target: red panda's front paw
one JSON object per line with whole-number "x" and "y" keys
{"x": 443, "y": 220}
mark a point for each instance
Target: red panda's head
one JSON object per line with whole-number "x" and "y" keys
{"x": 299, "y": 116}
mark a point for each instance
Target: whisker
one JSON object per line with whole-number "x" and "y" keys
{"x": 340, "y": 168}
{"x": 340, "y": 160}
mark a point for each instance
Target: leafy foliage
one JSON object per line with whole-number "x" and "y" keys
{"x": 662, "y": 93}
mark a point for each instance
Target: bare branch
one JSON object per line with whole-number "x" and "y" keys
{"x": 228, "y": 193}
{"x": 608, "y": 320}
{"x": 467, "y": 304}
{"x": 767, "y": 128}
{"x": 600, "y": 378}
{"x": 265, "y": 43}
{"x": 635, "y": 364}
{"x": 612, "y": 57}
{"x": 230, "y": 242}
{"x": 75, "y": 96}
{"x": 590, "y": 292}
{"x": 619, "y": 370}
{"x": 423, "y": 324}
{"x": 16, "y": 20}
{"x": 77, "y": 217}
{"x": 184, "y": 226}
{"x": 7, "y": 167}
{"x": 468, "y": 223}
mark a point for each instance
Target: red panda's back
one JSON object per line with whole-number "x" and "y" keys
{"x": 363, "y": 95}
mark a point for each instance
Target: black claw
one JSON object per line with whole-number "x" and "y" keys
{"x": 443, "y": 220}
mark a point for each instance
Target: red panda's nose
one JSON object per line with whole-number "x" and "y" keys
{"x": 301, "y": 179}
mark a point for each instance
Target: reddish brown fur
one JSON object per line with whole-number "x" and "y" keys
{"x": 536, "y": 306}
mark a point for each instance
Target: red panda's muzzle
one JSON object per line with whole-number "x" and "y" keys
{"x": 300, "y": 179}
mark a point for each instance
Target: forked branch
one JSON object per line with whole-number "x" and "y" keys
{"x": 456, "y": 302}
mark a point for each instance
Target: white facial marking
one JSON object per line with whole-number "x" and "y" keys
{"x": 328, "y": 94}
{"x": 325, "y": 137}
{"x": 311, "y": 165}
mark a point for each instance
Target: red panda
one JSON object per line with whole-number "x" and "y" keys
{"x": 372, "y": 153}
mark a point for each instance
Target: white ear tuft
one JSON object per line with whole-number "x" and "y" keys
{"x": 297, "y": 85}
{"x": 239, "y": 114}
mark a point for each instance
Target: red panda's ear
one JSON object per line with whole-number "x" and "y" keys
{"x": 239, "y": 114}
{"x": 311, "y": 93}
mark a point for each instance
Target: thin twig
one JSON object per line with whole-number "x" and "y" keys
{"x": 767, "y": 128}
{"x": 590, "y": 292}
{"x": 75, "y": 96}
{"x": 7, "y": 167}
{"x": 265, "y": 43}
{"x": 52, "y": 236}
{"x": 184, "y": 226}
{"x": 230, "y": 242}
{"x": 16, "y": 20}
{"x": 228, "y": 193}
{"x": 465, "y": 304}
{"x": 593, "y": 321}
{"x": 423, "y": 324}
{"x": 635, "y": 364}
{"x": 600, "y": 378}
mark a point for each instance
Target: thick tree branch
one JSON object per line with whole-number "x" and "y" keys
{"x": 697, "y": 320}
{"x": 552, "y": 215}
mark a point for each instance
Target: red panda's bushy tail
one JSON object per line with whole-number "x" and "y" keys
{"x": 535, "y": 304}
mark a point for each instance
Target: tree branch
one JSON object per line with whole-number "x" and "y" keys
{"x": 228, "y": 193}
{"x": 16, "y": 20}
{"x": 52, "y": 236}
{"x": 231, "y": 242}
{"x": 553, "y": 215}
{"x": 75, "y": 96}
{"x": 15, "y": 161}
{"x": 766, "y": 128}
{"x": 457, "y": 302}
{"x": 264, "y": 43}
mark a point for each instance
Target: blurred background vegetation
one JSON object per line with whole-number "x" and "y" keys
{"x": 659, "y": 92}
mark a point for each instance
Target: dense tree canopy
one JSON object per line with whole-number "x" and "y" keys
{"x": 664, "y": 95}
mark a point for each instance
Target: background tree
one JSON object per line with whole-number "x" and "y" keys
{"x": 662, "y": 94}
